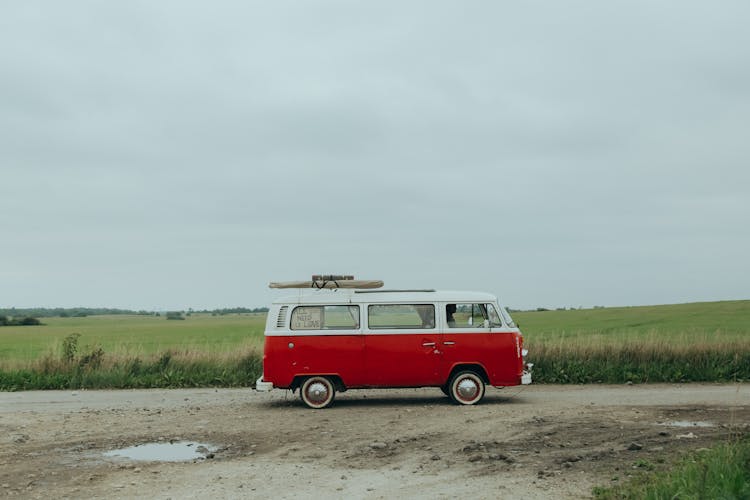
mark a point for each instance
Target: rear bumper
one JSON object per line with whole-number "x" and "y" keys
{"x": 262, "y": 386}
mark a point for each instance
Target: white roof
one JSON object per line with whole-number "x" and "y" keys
{"x": 343, "y": 296}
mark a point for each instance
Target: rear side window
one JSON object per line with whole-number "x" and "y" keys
{"x": 401, "y": 316}
{"x": 325, "y": 318}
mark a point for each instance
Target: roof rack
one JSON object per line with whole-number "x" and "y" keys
{"x": 330, "y": 281}
{"x": 394, "y": 291}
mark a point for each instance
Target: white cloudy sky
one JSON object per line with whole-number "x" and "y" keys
{"x": 164, "y": 155}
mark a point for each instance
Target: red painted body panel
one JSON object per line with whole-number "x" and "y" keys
{"x": 415, "y": 359}
{"x": 341, "y": 355}
{"x": 402, "y": 360}
{"x": 495, "y": 351}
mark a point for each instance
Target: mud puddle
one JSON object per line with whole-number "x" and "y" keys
{"x": 179, "y": 451}
{"x": 687, "y": 423}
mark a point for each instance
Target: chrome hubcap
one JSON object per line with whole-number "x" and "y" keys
{"x": 467, "y": 389}
{"x": 317, "y": 392}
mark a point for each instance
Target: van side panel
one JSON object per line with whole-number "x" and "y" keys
{"x": 402, "y": 360}
{"x": 496, "y": 351}
{"x": 288, "y": 356}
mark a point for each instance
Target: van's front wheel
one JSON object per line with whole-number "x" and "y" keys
{"x": 466, "y": 388}
{"x": 317, "y": 392}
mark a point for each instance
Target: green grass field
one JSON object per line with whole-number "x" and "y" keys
{"x": 700, "y": 322}
{"x": 670, "y": 343}
{"x": 683, "y": 324}
{"x": 134, "y": 335}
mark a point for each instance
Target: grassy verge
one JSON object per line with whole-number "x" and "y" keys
{"x": 720, "y": 472}
{"x": 93, "y": 368}
{"x": 582, "y": 363}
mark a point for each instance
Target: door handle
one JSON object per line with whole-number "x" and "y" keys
{"x": 449, "y": 342}
{"x": 428, "y": 344}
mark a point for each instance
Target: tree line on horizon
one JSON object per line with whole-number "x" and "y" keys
{"x": 17, "y": 314}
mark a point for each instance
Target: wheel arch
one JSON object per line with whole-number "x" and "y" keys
{"x": 475, "y": 367}
{"x": 338, "y": 382}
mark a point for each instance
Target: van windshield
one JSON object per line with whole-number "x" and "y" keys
{"x": 494, "y": 318}
{"x": 506, "y": 316}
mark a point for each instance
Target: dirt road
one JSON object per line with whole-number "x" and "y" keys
{"x": 539, "y": 441}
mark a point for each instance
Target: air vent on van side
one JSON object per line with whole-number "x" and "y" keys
{"x": 281, "y": 320}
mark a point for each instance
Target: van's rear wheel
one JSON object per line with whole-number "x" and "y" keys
{"x": 466, "y": 388}
{"x": 317, "y": 392}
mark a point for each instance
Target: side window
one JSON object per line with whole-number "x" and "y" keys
{"x": 325, "y": 318}
{"x": 411, "y": 316}
{"x": 468, "y": 315}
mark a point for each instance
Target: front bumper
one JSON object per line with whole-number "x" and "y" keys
{"x": 262, "y": 386}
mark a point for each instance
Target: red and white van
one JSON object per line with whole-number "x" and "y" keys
{"x": 335, "y": 338}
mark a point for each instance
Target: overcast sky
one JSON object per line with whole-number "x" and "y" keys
{"x": 166, "y": 155}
